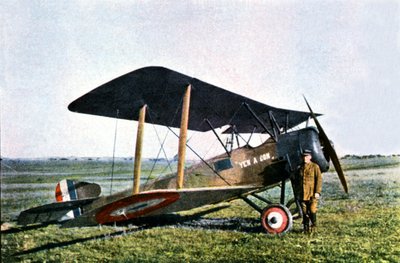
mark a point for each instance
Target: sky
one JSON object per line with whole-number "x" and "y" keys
{"x": 344, "y": 56}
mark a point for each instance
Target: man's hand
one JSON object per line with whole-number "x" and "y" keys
{"x": 317, "y": 195}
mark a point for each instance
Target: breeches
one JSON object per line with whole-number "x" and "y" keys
{"x": 309, "y": 206}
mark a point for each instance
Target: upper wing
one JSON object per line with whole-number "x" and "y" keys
{"x": 162, "y": 90}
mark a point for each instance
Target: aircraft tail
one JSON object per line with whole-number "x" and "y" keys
{"x": 69, "y": 190}
{"x": 71, "y": 196}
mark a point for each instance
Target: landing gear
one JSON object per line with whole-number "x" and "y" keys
{"x": 294, "y": 209}
{"x": 276, "y": 219}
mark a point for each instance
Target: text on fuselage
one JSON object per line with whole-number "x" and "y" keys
{"x": 254, "y": 160}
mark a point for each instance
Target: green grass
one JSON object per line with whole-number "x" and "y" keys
{"x": 351, "y": 236}
{"x": 363, "y": 226}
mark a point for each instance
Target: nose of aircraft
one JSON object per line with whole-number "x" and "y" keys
{"x": 328, "y": 149}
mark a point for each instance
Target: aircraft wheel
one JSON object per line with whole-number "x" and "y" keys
{"x": 276, "y": 219}
{"x": 294, "y": 210}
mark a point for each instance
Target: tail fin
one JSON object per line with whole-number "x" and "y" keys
{"x": 69, "y": 190}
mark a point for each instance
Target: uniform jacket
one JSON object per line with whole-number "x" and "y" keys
{"x": 309, "y": 181}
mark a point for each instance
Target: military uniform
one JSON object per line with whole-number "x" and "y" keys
{"x": 309, "y": 182}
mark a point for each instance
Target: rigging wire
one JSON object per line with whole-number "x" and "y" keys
{"x": 204, "y": 161}
{"x": 158, "y": 154}
{"x": 161, "y": 144}
{"x": 201, "y": 158}
{"x": 113, "y": 158}
{"x": 236, "y": 112}
{"x": 209, "y": 148}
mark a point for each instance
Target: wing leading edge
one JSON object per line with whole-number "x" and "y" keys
{"x": 162, "y": 89}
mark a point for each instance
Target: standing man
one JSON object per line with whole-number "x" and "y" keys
{"x": 308, "y": 190}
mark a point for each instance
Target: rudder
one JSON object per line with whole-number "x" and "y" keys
{"x": 69, "y": 190}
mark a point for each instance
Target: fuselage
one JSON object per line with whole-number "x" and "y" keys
{"x": 244, "y": 170}
{"x": 264, "y": 165}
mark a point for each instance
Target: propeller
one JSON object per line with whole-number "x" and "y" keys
{"x": 329, "y": 149}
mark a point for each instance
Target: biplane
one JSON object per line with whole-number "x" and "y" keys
{"x": 165, "y": 97}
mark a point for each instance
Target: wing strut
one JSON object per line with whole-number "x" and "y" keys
{"x": 138, "y": 151}
{"x": 274, "y": 124}
{"x": 219, "y": 139}
{"x": 260, "y": 121}
{"x": 182, "y": 137}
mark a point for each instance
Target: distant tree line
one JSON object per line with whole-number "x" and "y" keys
{"x": 347, "y": 156}
{"x": 89, "y": 158}
{"x": 370, "y": 156}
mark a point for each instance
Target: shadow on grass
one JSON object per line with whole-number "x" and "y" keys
{"x": 18, "y": 229}
{"x": 194, "y": 221}
{"x": 79, "y": 240}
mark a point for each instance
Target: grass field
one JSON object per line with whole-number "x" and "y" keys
{"x": 363, "y": 226}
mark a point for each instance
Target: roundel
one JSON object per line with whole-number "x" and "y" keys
{"x": 134, "y": 206}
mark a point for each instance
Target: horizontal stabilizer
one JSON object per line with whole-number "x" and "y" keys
{"x": 53, "y": 212}
{"x": 162, "y": 90}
